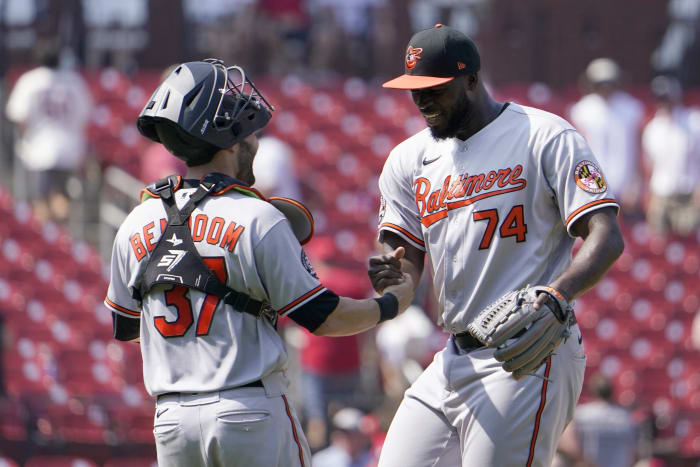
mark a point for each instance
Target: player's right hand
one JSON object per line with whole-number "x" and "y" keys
{"x": 385, "y": 270}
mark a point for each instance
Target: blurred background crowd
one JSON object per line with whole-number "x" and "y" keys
{"x": 75, "y": 74}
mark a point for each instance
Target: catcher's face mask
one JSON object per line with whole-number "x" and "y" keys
{"x": 242, "y": 108}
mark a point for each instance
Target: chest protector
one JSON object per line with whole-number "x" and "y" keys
{"x": 175, "y": 259}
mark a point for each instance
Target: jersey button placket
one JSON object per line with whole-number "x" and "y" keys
{"x": 454, "y": 231}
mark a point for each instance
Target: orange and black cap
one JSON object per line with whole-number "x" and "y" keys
{"x": 436, "y": 56}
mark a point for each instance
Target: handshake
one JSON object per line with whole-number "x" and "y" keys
{"x": 387, "y": 277}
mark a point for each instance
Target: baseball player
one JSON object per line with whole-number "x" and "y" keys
{"x": 494, "y": 194}
{"x": 203, "y": 267}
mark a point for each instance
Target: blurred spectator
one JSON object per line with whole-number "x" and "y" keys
{"x": 406, "y": 345}
{"x": 389, "y": 25}
{"x": 350, "y": 442}
{"x": 275, "y": 170}
{"x": 283, "y": 28}
{"x": 326, "y": 42}
{"x": 458, "y": 14}
{"x": 330, "y": 366}
{"x": 50, "y": 106}
{"x": 341, "y": 32}
{"x": 695, "y": 331}
{"x": 351, "y": 15}
{"x": 602, "y": 433}
{"x": 330, "y": 373}
{"x": 610, "y": 120}
{"x": 671, "y": 142}
{"x": 210, "y": 11}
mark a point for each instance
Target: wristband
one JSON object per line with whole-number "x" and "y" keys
{"x": 388, "y": 306}
{"x": 556, "y": 302}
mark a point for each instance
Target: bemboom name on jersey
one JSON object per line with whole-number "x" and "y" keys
{"x": 203, "y": 229}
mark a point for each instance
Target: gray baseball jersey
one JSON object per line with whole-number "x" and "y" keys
{"x": 494, "y": 212}
{"x": 218, "y": 373}
{"x": 192, "y": 342}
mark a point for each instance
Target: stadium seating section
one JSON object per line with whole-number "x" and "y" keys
{"x": 68, "y": 383}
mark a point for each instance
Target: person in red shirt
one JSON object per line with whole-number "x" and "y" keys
{"x": 330, "y": 367}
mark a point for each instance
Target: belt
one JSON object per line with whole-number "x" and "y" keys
{"x": 466, "y": 341}
{"x": 253, "y": 384}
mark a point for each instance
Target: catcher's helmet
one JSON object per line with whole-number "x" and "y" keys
{"x": 201, "y": 108}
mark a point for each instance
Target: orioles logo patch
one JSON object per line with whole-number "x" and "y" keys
{"x": 412, "y": 56}
{"x": 589, "y": 177}
{"x": 307, "y": 264}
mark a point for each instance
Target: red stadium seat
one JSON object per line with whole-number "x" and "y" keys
{"x": 134, "y": 424}
{"x": 13, "y": 421}
{"x": 690, "y": 437}
{"x": 648, "y": 312}
{"x": 85, "y": 426}
{"x": 59, "y": 461}
{"x": 651, "y": 349}
{"x": 7, "y": 462}
{"x": 636, "y": 323}
{"x": 131, "y": 462}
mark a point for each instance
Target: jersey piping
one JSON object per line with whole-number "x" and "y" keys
{"x": 285, "y": 310}
{"x": 294, "y": 430}
{"x": 592, "y": 206}
{"x": 538, "y": 417}
{"x": 405, "y": 234}
{"x": 120, "y": 309}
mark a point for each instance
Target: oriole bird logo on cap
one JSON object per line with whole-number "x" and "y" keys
{"x": 412, "y": 56}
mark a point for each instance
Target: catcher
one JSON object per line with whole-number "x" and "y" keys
{"x": 202, "y": 269}
{"x": 494, "y": 194}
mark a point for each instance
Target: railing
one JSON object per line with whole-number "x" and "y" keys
{"x": 119, "y": 194}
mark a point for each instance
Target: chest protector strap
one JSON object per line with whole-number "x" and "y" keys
{"x": 175, "y": 259}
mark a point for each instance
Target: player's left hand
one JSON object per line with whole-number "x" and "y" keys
{"x": 385, "y": 270}
{"x": 541, "y": 311}
{"x": 540, "y": 301}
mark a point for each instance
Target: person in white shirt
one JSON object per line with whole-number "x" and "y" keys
{"x": 671, "y": 143}
{"x": 350, "y": 443}
{"x": 610, "y": 120}
{"x": 603, "y": 433}
{"x": 275, "y": 164}
{"x": 50, "y": 107}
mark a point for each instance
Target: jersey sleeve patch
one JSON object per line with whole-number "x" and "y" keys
{"x": 589, "y": 177}
{"x": 120, "y": 309}
{"x": 301, "y": 300}
{"x": 403, "y": 233}
{"x": 307, "y": 264}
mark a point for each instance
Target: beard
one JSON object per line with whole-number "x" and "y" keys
{"x": 245, "y": 162}
{"x": 453, "y": 124}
